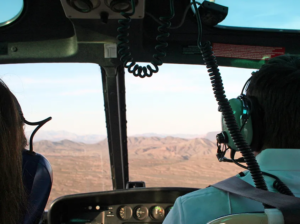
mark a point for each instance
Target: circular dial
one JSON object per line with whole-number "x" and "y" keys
{"x": 141, "y": 212}
{"x": 125, "y": 212}
{"x": 157, "y": 213}
{"x": 168, "y": 209}
{"x": 82, "y": 5}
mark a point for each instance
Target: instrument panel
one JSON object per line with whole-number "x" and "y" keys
{"x": 132, "y": 206}
{"x": 131, "y": 213}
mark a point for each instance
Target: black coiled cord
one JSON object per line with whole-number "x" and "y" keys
{"x": 282, "y": 188}
{"x": 217, "y": 84}
{"x": 279, "y": 185}
{"x": 124, "y": 49}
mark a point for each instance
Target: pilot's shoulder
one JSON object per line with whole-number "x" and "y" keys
{"x": 211, "y": 193}
{"x": 203, "y": 194}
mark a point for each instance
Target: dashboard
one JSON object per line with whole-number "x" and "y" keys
{"x": 133, "y": 206}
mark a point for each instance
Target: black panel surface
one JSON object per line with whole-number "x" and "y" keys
{"x": 83, "y": 207}
{"x": 45, "y": 20}
{"x": 40, "y": 20}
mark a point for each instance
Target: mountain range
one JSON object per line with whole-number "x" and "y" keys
{"x": 159, "y": 162}
{"x": 138, "y": 148}
{"x": 56, "y": 136}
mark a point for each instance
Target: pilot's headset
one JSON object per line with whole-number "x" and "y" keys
{"x": 249, "y": 118}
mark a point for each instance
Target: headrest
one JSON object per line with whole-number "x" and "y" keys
{"x": 37, "y": 179}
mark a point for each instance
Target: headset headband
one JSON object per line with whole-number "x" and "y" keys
{"x": 39, "y": 124}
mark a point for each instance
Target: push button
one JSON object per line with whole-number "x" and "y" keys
{"x": 110, "y": 214}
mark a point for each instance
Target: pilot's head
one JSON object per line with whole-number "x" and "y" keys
{"x": 276, "y": 86}
{"x": 12, "y": 140}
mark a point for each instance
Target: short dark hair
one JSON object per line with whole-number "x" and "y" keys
{"x": 277, "y": 89}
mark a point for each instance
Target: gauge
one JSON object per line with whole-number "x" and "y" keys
{"x": 141, "y": 212}
{"x": 157, "y": 212}
{"x": 125, "y": 212}
{"x": 168, "y": 209}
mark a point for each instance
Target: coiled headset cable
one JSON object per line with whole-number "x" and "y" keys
{"x": 124, "y": 49}
{"x": 217, "y": 84}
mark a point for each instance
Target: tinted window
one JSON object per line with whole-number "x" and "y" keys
{"x": 10, "y": 11}
{"x": 276, "y": 14}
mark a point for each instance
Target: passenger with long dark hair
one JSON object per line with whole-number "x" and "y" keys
{"x": 12, "y": 141}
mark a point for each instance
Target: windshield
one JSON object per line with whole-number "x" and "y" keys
{"x": 74, "y": 141}
{"x": 173, "y": 120}
{"x": 275, "y": 14}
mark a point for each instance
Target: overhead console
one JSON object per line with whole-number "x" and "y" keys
{"x": 140, "y": 205}
{"x": 101, "y": 9}
{"x": 84, "y": 30}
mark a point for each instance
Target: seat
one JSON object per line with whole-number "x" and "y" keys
{"x": 245, "y": 218}
{"x": 270, "y": 216}
{"x": 37, "y": 179}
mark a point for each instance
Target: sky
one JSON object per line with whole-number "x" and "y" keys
{"x": 263, "y": 14}
{"x": 177, "y": 100}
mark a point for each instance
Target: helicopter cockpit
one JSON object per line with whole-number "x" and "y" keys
{"x": 119, "y": 37}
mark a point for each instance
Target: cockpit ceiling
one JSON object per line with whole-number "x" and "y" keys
{"x": 44, "y": 34}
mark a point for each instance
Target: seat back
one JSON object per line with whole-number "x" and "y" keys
{"x": 245, "y": 218}
{"x": 270, "y": 216}
{"x": 37, "y": 179}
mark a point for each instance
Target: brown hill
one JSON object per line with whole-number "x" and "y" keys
{"x": 168, "y": 148}
{"x": 67, "y": 147}
{"x": 138, "y": 147}
{"x": 160, "y": 162}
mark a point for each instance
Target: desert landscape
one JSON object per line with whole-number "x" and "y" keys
{"x": 159, "y": 162}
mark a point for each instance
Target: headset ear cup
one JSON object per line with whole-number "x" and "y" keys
{"x": 258, "y": 128}
{"x": 240, "y": 110}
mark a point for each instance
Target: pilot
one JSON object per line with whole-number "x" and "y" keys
{"x": 12, "y": 141}
{"x": 276, "y": 86}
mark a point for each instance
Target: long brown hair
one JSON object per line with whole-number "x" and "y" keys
{"x": 12, "y": 139}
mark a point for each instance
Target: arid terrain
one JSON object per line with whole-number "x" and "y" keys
{"x": 160, "y": 162}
